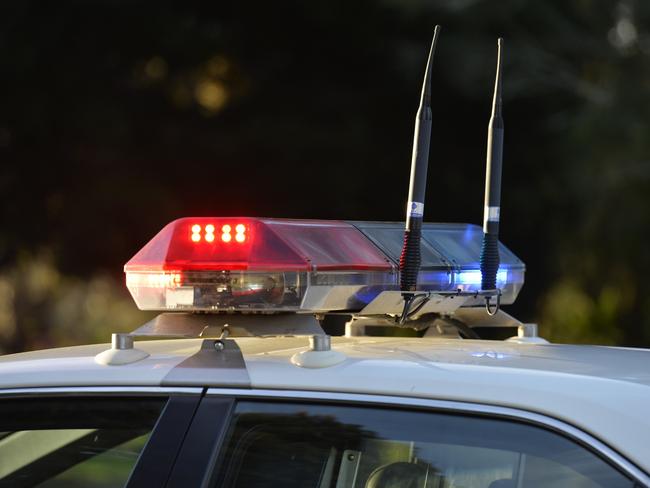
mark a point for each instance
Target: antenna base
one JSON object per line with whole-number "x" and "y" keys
{"x": 409, "y": 261}
{"x": 489, "y": 261}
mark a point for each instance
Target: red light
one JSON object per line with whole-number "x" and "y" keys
{"x": 255, "y": 264}
{"x": 209, "y": 233}
{"x": 241, "y": 233}
{"x": 196, "y": 233}
{"x": 258, "y": 244}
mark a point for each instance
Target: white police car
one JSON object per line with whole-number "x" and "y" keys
{"x": 245, "y": 389}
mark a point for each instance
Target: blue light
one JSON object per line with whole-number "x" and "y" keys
{"x": 440, "y": 279}
{"x": 473, "y": 277}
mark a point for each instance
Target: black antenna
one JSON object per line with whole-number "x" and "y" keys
{"x": 490, "y": 247}
{"x": 409, "y": 263}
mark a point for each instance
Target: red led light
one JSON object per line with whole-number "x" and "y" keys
{"x": 240, "y": 229}
{"x": 196, "y": 233}
{"x": 258, "y": 244}
{"x": 215, "y": 264}
{"x": 209, "y": 233}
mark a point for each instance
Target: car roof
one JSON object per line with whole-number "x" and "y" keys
{"x": 604, "y": 391}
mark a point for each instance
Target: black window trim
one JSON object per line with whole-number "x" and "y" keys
{"x": 157, "y": 458}
{"x": 560, "y": 427}
{"x": 62, "y": 391}
{"x": 196, "y": 460}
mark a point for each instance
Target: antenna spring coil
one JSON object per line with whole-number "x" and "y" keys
{"x": 409, "y": 261}
{"x": 489, "y": 262}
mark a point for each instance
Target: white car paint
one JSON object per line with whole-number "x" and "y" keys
{"x": 603, "y": 391}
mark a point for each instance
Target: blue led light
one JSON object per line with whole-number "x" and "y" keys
{"x": 441, "y": 279}
{"x": 473, "y": 277}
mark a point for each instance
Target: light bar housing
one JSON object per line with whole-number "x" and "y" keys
{"x": 275, "y": 265}
{"x": 450, "y": 257}
{"x": 241, "y": 264}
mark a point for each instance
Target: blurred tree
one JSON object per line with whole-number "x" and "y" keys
{"x": 40, "y": 308}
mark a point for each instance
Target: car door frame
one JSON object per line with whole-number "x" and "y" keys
{"x": 156, "y": 460}
{"x": 196, "y": 462}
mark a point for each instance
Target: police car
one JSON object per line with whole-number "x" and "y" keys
{"x": 259, "y": 395}
{"x": 274, "y": 363}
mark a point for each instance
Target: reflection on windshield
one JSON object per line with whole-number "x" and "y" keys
{"x": 324, "y": 446}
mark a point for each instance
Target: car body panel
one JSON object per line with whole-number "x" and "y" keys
{"x": 603, "y": 391}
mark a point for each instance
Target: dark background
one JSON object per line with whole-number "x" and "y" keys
{"x": 118, "y": 116}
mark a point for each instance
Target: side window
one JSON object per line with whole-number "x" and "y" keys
{"x": 73, "y": 442}
{"x": 326, "y": 446}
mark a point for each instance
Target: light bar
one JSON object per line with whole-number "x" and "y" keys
{"x": 245, "y": 264}
{"x": 450, "y": 258}
{"x": 280, "y": 265}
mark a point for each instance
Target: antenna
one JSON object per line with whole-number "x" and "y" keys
{"x": 490, "y": 247}
{"x": 409, "y": 263}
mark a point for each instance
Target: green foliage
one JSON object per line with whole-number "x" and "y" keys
{"x": 41, "y": 308}
{"x": 571, "y": 315}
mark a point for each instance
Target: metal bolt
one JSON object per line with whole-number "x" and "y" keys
{"x": 527, "y": 330}
{"x": 225, "y": 331}
{"x": 122, "y": 341}
{"x": 219, "y": 346}
{"x": 320, "y": 342}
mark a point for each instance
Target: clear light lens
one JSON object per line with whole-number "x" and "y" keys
{"x": 215, "y": 291}
{"x": 257, "y": 291}
{"x": 168, "y": 279}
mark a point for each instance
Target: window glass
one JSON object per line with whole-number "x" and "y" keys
{"x": 72, "y": 443}
{"x": 328, "y": 446}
